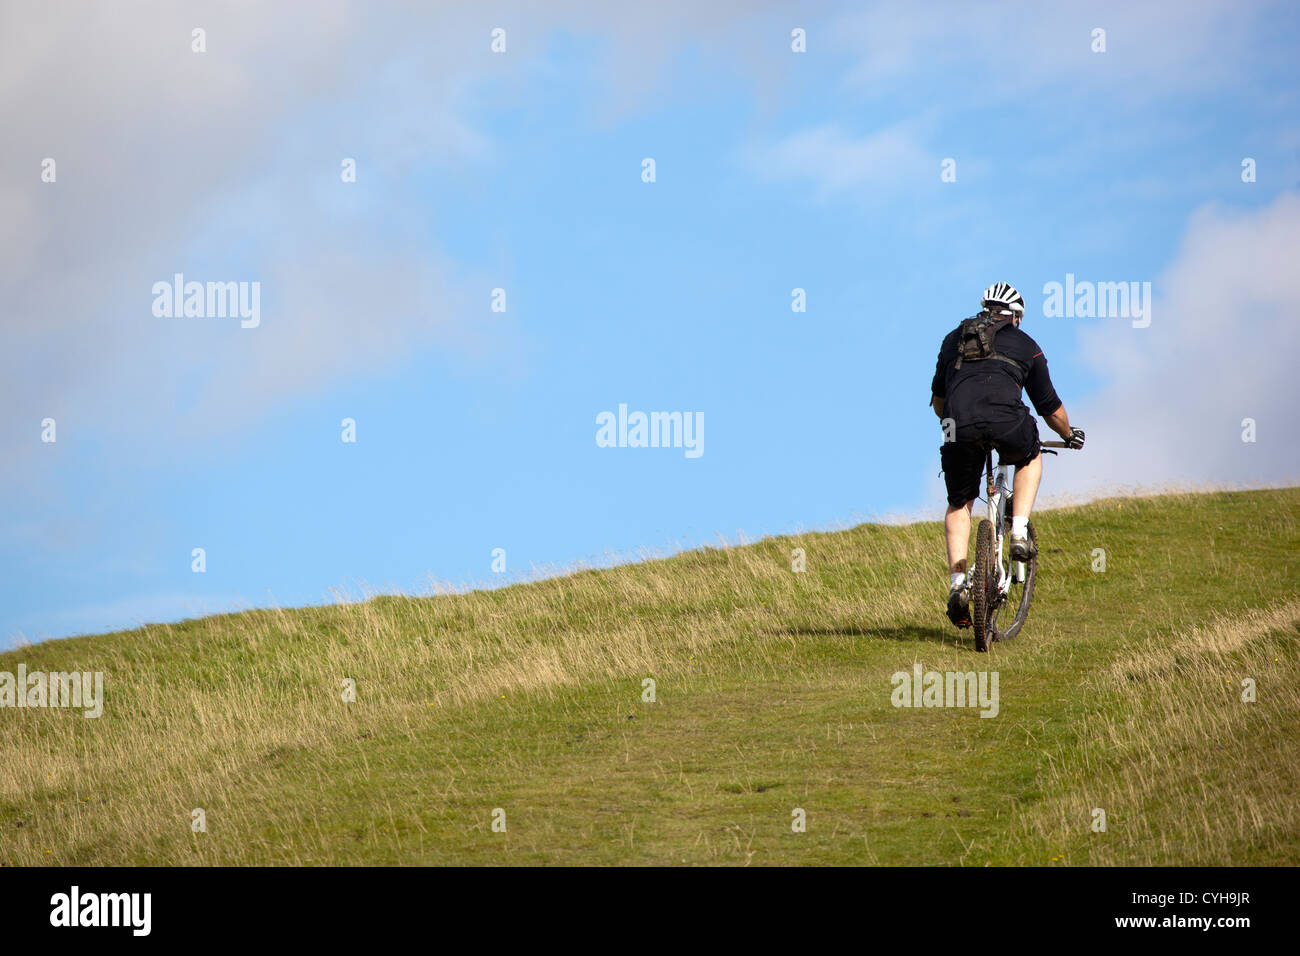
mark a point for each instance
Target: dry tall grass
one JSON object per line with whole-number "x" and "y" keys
{"x": 242, "y": 715}
{"x": 1186, "y": 770}
{"x": 196, "y": 712}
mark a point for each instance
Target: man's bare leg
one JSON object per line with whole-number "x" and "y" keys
{"x": 956, "y": 525}
{"x": 1024, "y": 487}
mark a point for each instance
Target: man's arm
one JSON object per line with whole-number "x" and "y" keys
{"x": 937, "y": 384}
{"x": 1059, "y": 422}
{"x": 1046, "y": 402}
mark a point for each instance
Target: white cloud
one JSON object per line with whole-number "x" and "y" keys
{"x": 1221, "y": 347}
{"x": 868, "y": 168}
{"x": 1005, "y": 48}
{"x": 165, "y": 156}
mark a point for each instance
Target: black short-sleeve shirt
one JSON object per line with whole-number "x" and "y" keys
{"x": 988, "y": 391}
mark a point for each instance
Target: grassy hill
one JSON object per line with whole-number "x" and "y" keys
{"x": 773, "y": 693}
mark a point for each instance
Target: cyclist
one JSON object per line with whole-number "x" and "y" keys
{"x": 983, "y": 365}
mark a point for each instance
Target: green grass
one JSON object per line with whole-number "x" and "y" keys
{"x": 773, "y": 693}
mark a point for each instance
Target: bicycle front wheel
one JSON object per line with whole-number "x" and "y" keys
{"x": 1014, "y": 610}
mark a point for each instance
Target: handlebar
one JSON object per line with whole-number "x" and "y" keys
{"x": 1058, "y": 444}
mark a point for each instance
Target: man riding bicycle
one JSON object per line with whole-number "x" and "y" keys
{"x": 983, "y": 365}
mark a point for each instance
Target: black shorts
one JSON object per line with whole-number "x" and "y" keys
{"x": 963, "y": 460}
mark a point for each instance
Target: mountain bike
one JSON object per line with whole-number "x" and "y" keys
{"x": 1001, "y": 589}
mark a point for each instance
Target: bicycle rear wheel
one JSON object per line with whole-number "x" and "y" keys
{"x": 983, "y": 587}
{"x": 1015, "y": 609}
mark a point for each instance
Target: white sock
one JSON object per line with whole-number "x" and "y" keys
{"x": 958, "y": 578}
{"x": 1019, "y": 525}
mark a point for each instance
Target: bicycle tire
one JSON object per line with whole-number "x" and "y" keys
{"x": 1021, "y": 595}
{"x": 983, "y": 587}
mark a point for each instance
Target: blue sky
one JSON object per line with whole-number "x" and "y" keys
{"x": 522, "y": 171}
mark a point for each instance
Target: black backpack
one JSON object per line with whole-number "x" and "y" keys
{"x": 975, "y": 339}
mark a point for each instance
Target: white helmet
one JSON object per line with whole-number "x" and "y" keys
{"x": 1003, "y": 297}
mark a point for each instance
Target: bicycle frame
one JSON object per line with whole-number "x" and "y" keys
{"x": 999, "y": 498}
{"x": 999, "y": 494}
